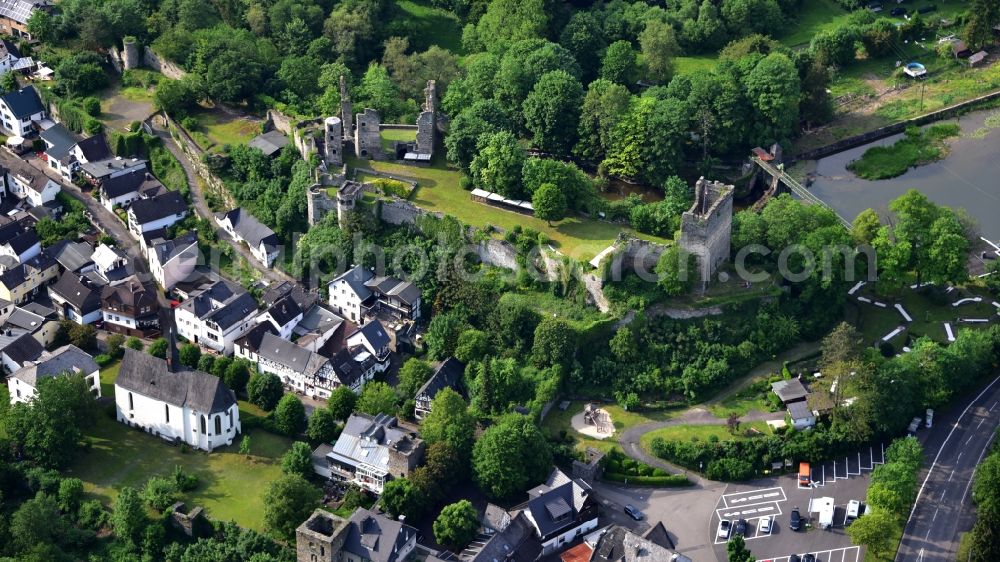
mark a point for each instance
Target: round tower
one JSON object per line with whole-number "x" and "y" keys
{"x": 130, "y": 53}
{"x": 334, "y": 141}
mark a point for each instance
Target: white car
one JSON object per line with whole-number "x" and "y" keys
{"x": 725, "y": 527}
{"x": 853, "y": 510}
{"x": 930, "y": 418}
{"x": 765, "y": 524}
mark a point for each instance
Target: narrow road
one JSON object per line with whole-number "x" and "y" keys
{"x": 943, "y": 509}
{"x": 272, "y": 275}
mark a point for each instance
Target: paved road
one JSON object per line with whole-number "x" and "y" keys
{"x": 943, "y": 508}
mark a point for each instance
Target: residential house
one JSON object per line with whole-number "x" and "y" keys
{"x": 22, "y": 282}
{"x": 77, "y": 298}
{"x": 372, "y": 450}
{"x": 373, "y": 337}
{"x": 20, "y": 108}
{"x": 364, "y": 537}
{"x": 173, "y": 261}
{"x": 394, "y": 297}
{"x": 160, "y": 211}
{"x": 447, "y": 375}
{"x": 790, "y": 390}
{"x": 801, "y": 415}
{"x": 513, "y": 539}
{"x": 301, "y": 370}
{"x": 91, "y": 149}
{"x": 20, "y": 351}
{"x": 561, "y": 510}
{"x": 99, "y": 171}
{"x": 40, "y": 322}
{"x": 354, "y": 367}
{"x": 58, "y": 143}
{"x": 69, "y": 359}
{"x": 270, "y": 143}
{"x": 276, "y": 292}
{"x": 29, "y": 184}
{"x": 348, "y": 293}
{"x": 123, "y": 189}
{"x": 248, "y": 345}
{"x": 244, "y": 227}
{"x": 14, "y": 16}
{"x": 284, "y": 315}
{"x": 190, "y": 407}
{"x": 75, "y": 257}
{"x": 317, "y": 327}
{"x": 216, "y": 316}
{"x": 110, "y": 264}
{"x": 9, "y": 55}
{"x": 131, "y": 307}
{"x": 19, "y": 241}
{"x": 618, "y": 544}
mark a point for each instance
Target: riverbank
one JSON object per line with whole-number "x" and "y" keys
{"x": 916, "y": 148}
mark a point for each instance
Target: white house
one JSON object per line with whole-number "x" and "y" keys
{"x": 248, "y": 345}
{"x": 182, "y": 406}
{"x": 348, "y": 293}
{"x": 561, "y": 510}
{"x": 131, "y": 307}
{"x": 20, "y": 351}
{"x": 69, "y": 359}
{"x": 160, "y": 211}
{"x": 31, "y": 185}
{"x": 317, "y": 327}
{"x": 244, "y": 227}
{"x": 447, "y": 375}
{"x": 284, "y": 315}
{"x": 19, "y": 240}
{"x": 216, "y": 316}
{"x": 110, "y": 264}
{"x": 76, "y": 298}
{"x": 301, "y": 370}
{"x": 9, "y": 55}
{"x": 18, "y": 109}
{"x": 802, "y": 417}
{"x": 173, "y": 261}
{"x": 122, "y": 189}
{"x": 372, "y": 337}
{"x": 98, "y": 171}
{"x": 58, "y": 143}
{"x": 372, "y": 450}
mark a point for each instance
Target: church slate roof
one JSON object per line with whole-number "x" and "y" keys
{"x": 149, "y": 376}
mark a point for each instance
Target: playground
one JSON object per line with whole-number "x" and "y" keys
{"x": 593, "y": 422}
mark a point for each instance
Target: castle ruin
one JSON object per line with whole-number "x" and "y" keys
{"x": 367, "y": 135}
{"x": 427, "y": 121}
{"x": 130, "y": 53}
{"x": 707, "y": 225}
{"x": 333, "y": 148}
{"x": 321, "y": 538}
{"x": 345, "y": 110}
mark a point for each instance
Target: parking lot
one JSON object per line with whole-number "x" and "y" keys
{"x": 843, "y": 479}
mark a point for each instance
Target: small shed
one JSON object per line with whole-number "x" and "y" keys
{"x": 270, "y": 143}
{"x": 961, "y": 50}
{"x": 977, "y": 58}
{"x": 802, "y": 416}
{"x": 791, "y": 390}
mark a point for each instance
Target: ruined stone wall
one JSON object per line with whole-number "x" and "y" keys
{"x": 707, "y": 226}
{"x": 333, "y": 141}
{"x": 367, "y": 136}
{"x": 194, "y": 153}
{"x": 162, "y": 65}
{"x": 400, "y": 211}
{"x": 427, "y": 120}
{"x": 346, "y": 111}
{"x": 319, "y": 204}
{"x": 130, "y": 54}
{"x": 281, "y": 122}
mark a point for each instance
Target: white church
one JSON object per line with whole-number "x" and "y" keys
{"x": 163, "y": 399}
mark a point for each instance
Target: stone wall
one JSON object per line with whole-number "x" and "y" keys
{"x": 130, "y": 54}
{"x": 281, "y": 122}
{"x": 367, "y": 135}
{"x": 193, "y": 153}
{"x": 319, "y": 204}
{"x": 400, "y": 211}
{"x": 162, "y": 65}
{"x": 706, "y": 227}
{"x": 115, "y": 56}
{"x": 498, "y": 253}
{"x": 427, "y": 120}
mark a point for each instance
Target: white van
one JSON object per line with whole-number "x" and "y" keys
{"x": 930, "y": 417}
{"x": 853, "y": 510}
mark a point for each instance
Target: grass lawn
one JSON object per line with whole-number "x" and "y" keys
{"x": 815, "y": 16}
{"x": 692, "y": 432}
{"x": 438, "y": 189}
{"x": 580, "y": 316}
{"x": 929, "y": 315}
{"x": 694, "y": 64}
{"x": 217, "y": 128}
{"x": 108, "y": 376}
{"x": 920, "y": 147}
{"x": 230, "y": 487}
{"x": 426, "y": 25}
{"x": 390, "y": 136}
{"x": 740, "y": 403}
{"x": 558, "y": 421}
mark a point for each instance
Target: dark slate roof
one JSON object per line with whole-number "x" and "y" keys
{"x": 59, "y": 140}
{"x": 799, "y": 411}
{"x": 124, "y": 184}
{"x": 319, "y": 319}
{"x": 66, "y": 359}
{"x": 516, "y": 542}
{"x": 375, "y": 537}
{"x": 130, "y": 292}
{"x": 159, "y": 207}
{"x": 236, "y": 304}
{"x": 25, "y": 319}
{"x": 252, "y": 340}
{"x": 8, "y": 47}
{"x": 555, "y": 505}
{"x": 292, "y": 357}
{"x": 658, "y": 535}
{"x": 94, "y": 148}
{"x": 789, "y": 390}
{"x": 375, "y": 334}
{"x": 274, "y": 293}
{"x": 77, "y": 291}
{"x": 103, "y": 168}
{"x": 284, "y": 311}
{"x": 392, "y": 287}
{"x": 23, "y": 103}
{"x": 349, "y": 370}
{"x": 447, "y": 375}
{"x": 73, "y": 256}
{"x": 234, "y": 311}
{"x": 149, "y": 376}
{"x": 270, "y": 142}
{"x": 23, "y": 349}
{"x": 18, "y": 235}
{"x": 16, "y": 276}
{"x": 249, "y": 228}
{"x": 356, "y": 278}
{"x": 169, "y": 249}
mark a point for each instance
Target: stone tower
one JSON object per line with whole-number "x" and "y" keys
{"x": 707, "y": 225}
{"x": 347, "y": 197}
{"x": 427, "y": 120}
{"x": 130, "y": 53}
{"x": 346, "y": 110}
{"x": 334, "y": 141}
{"x": 368, "y": 135}
{"x": 320, "y": 538}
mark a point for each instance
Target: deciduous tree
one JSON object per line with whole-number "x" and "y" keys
{"x": 456, "y": 525}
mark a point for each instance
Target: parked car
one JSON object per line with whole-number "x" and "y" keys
{"x": 794, "y": 558}
{"x": 930, "y": 418}
{"x": 633, "y": 512}
{"x": 914, "y": 426}
{"x": 853, "y": 510}
{"x": 741, "y": 527}
{"x": 809, "y": 558}
{"x": 724, "y": 529}
{"x": 765, "y": 524}
{"x": 898, "y": 11}
{"x": 795, "y": 520}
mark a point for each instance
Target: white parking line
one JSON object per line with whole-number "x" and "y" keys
{"x": 848, "y": 554}
{"x": 749, "y": 512}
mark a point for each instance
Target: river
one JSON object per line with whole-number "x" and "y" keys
{"x": 968, "y": 178}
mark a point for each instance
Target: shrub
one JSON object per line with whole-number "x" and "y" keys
{"x": 667, "y": 481}
{"x": 183, "y": 481}
{"x": 103, "y": 360}
{"x": 92, "y": 106}
{"x": 92, "y": 126}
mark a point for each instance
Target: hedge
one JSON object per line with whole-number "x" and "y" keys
{"x": 670, "y": 480}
